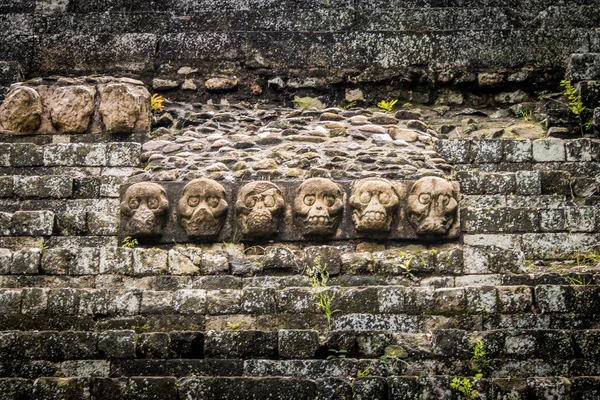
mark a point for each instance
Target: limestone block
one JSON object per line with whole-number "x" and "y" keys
{"x": 71, "y": 108}
{"x": 21, "y": 111}
{"x": 124, "y": 108}
{"x": 295, "y": 344}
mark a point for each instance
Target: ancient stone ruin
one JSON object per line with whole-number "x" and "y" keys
{"x": 327, "y": 199}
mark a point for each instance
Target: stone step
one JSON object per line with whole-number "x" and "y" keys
{"x": 369, "y": 387}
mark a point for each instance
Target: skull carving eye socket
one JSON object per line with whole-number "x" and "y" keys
{"x": 153, "y": 203}
{"x": 384, "y": 198}
{"x": 134, "y": 203}
{"x": 424, "y": 198}
{"x": 250, "y": 201}
{"x": 269, "y": 201}
{"x": 213, "y": 201}
{"x": 329, "y": 200}
{"x": 309, "y": 199}
{"x": 193, "y": 201}
{"x": 444, "y": 199}
{"x": 365, "y": 197}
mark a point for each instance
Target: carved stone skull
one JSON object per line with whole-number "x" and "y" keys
{"x": 144, "y": 209}
{"x": 259, "y": 206}
{"x": 431, "y": 206}
{"x": 373, "y": 202}
{"x": 203, "y": 208}
{"x": 318, "y": 206}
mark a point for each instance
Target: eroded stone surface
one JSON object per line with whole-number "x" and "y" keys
{"x": 318, "y": 207}
{"x": 432, "y": 206}
{"x": 21, "y": 111}
{"x": 373, "y": 203}
{"x": 123, "y": 107}
{"x": 202, "y": 208}
{"x": 71, "y": 108}
{"x": 259, "y": 206}
{"x": 144, "y": 209}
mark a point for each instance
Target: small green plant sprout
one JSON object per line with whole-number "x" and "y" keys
{"x": 40, "y": 245}
{"x": 304, "y": 102}
{"x": 349, "y": 105}
{"x": 575, "y": 104}
{"x": 480, "y": 364}
{"x": 363, "y": 372}
{"x": 591, "y": 258}
{"x": 387, "y": 106}
{"x": 156, "y": 103}
{"x": 337, "y": 354}
{"x": 318, "y": 278}
{"x": 464, "y": 387}
{"x": 525, "y": 114}
{"x": 129, "y": 242}
{"x": 234, "y": 326}
{"x": 406, "y": 270}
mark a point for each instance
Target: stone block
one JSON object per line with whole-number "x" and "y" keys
{"x": 92, "y": 302}
{"x": 589, "y": 342}
{"x": 449, "y": 300}
{"x": 258, "y": 300}
{"x": 298, "y": 344}
{"x": 75, "y": 154}
{"x": 184, "y": 261}
{"x": 215, "y": 263}
{"x": 558, "y": 246}
{"x": 481, "y": 299}
{"x": 149, "y": 261}
{"x": 26, "y": 261}
{"x": 5, "y": 223}
{"x": 580, "y": 219}
{"x": 584, "y": 66}
{"x": 514, "y": 299}
{"x": 551, "y": 298}
{"x": 452, "y": 343}
{"x": 86, "y": 261}
{"x": 373, "y": 344}
{"x": 556, "y": 183}
{"x": 481, "y": 220}
{"x": 59, "y": 388}
{"x": 122, "y": 303}
{"x": 245, "y": 344}
{"x": 63, "y": 302}
{"x": 454, "y": 151}
{"x": 548, "y": 150}
{"x": 499, "y": 183}
{"x": 517, "y": 151}
{"x": 102, "y": 223}
{"x": 391, "y": 299}
{"x": 153, "y": 345}
{"x": 71, "y": 223}
{"x": 283, "y": 259}
{"x": 85, "y": 368}
{"x": 126, "y": 154}
{"x": 26, "y": 155}
{"x": 578, "y": 150}
{"x": 116, "y": 260}
{"x": 113, "y": 344}
{"x": 57, "y": 261}
{"x": 226, "y": 301}
{"x": 521, "y": 344}
{"x": 486, "y": 151}
{"x": 57, "y": 187}
{"x": 552, "y": 219}
{"x": 528, "y": 183}
{"x": 10, "y": 302}
{"x": 6, "y": 186}
{"x": 470, "y": 182}
{"x": 32, "y": 223}
{"x": 366, "y": 388}
{"x": 190, "y": 301}
{"x": 5, "y": 261}
{"x": 555, "y": 344}
{"x": 418, "y": 300}
{"x": 297, "y": 300}
{"x": 156, "y": 302}
{"x": 325, "y": 256}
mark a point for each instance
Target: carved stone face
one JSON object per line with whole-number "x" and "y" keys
{"x": 203, "y": 208}
{"x": 318, "y": 206}
{"x": 259, "y": 206}
{"x": 431, "y": 206}
{"x": 144, "y": 209}
{"x": 373, "y": 202}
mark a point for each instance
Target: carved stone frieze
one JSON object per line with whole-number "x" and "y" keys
{"x": 431, "y": 206}
{"x": 144, "y": 209}
{"x": 203, "y": 208}
{"x": 318, "y": 207}
{"x": 374, "y": 202}
{"x": 259, "y": 208}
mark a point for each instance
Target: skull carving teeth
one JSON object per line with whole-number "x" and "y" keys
{"x": 432, "y": 206}
{"x": 203, "y": 208}
{"x": 144, "y": 209}
{"x": 374, "y": 202}
{"x": 259, "y": 206}
{"x": 318, "y": 207}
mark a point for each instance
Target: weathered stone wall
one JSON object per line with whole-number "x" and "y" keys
{"x": 82, "y": 317}
{"x": 407, "y": 49}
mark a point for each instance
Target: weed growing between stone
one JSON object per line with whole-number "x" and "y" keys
{"x": 387, "y": 106}
{"x": 575, "y": 104}
{"x": 318, "y": 277}
{"x": 464, "y": 388}
{"x": 480, "y": 363}
{"x": 156, "y": 103}
{"x": 129, "y": 242}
